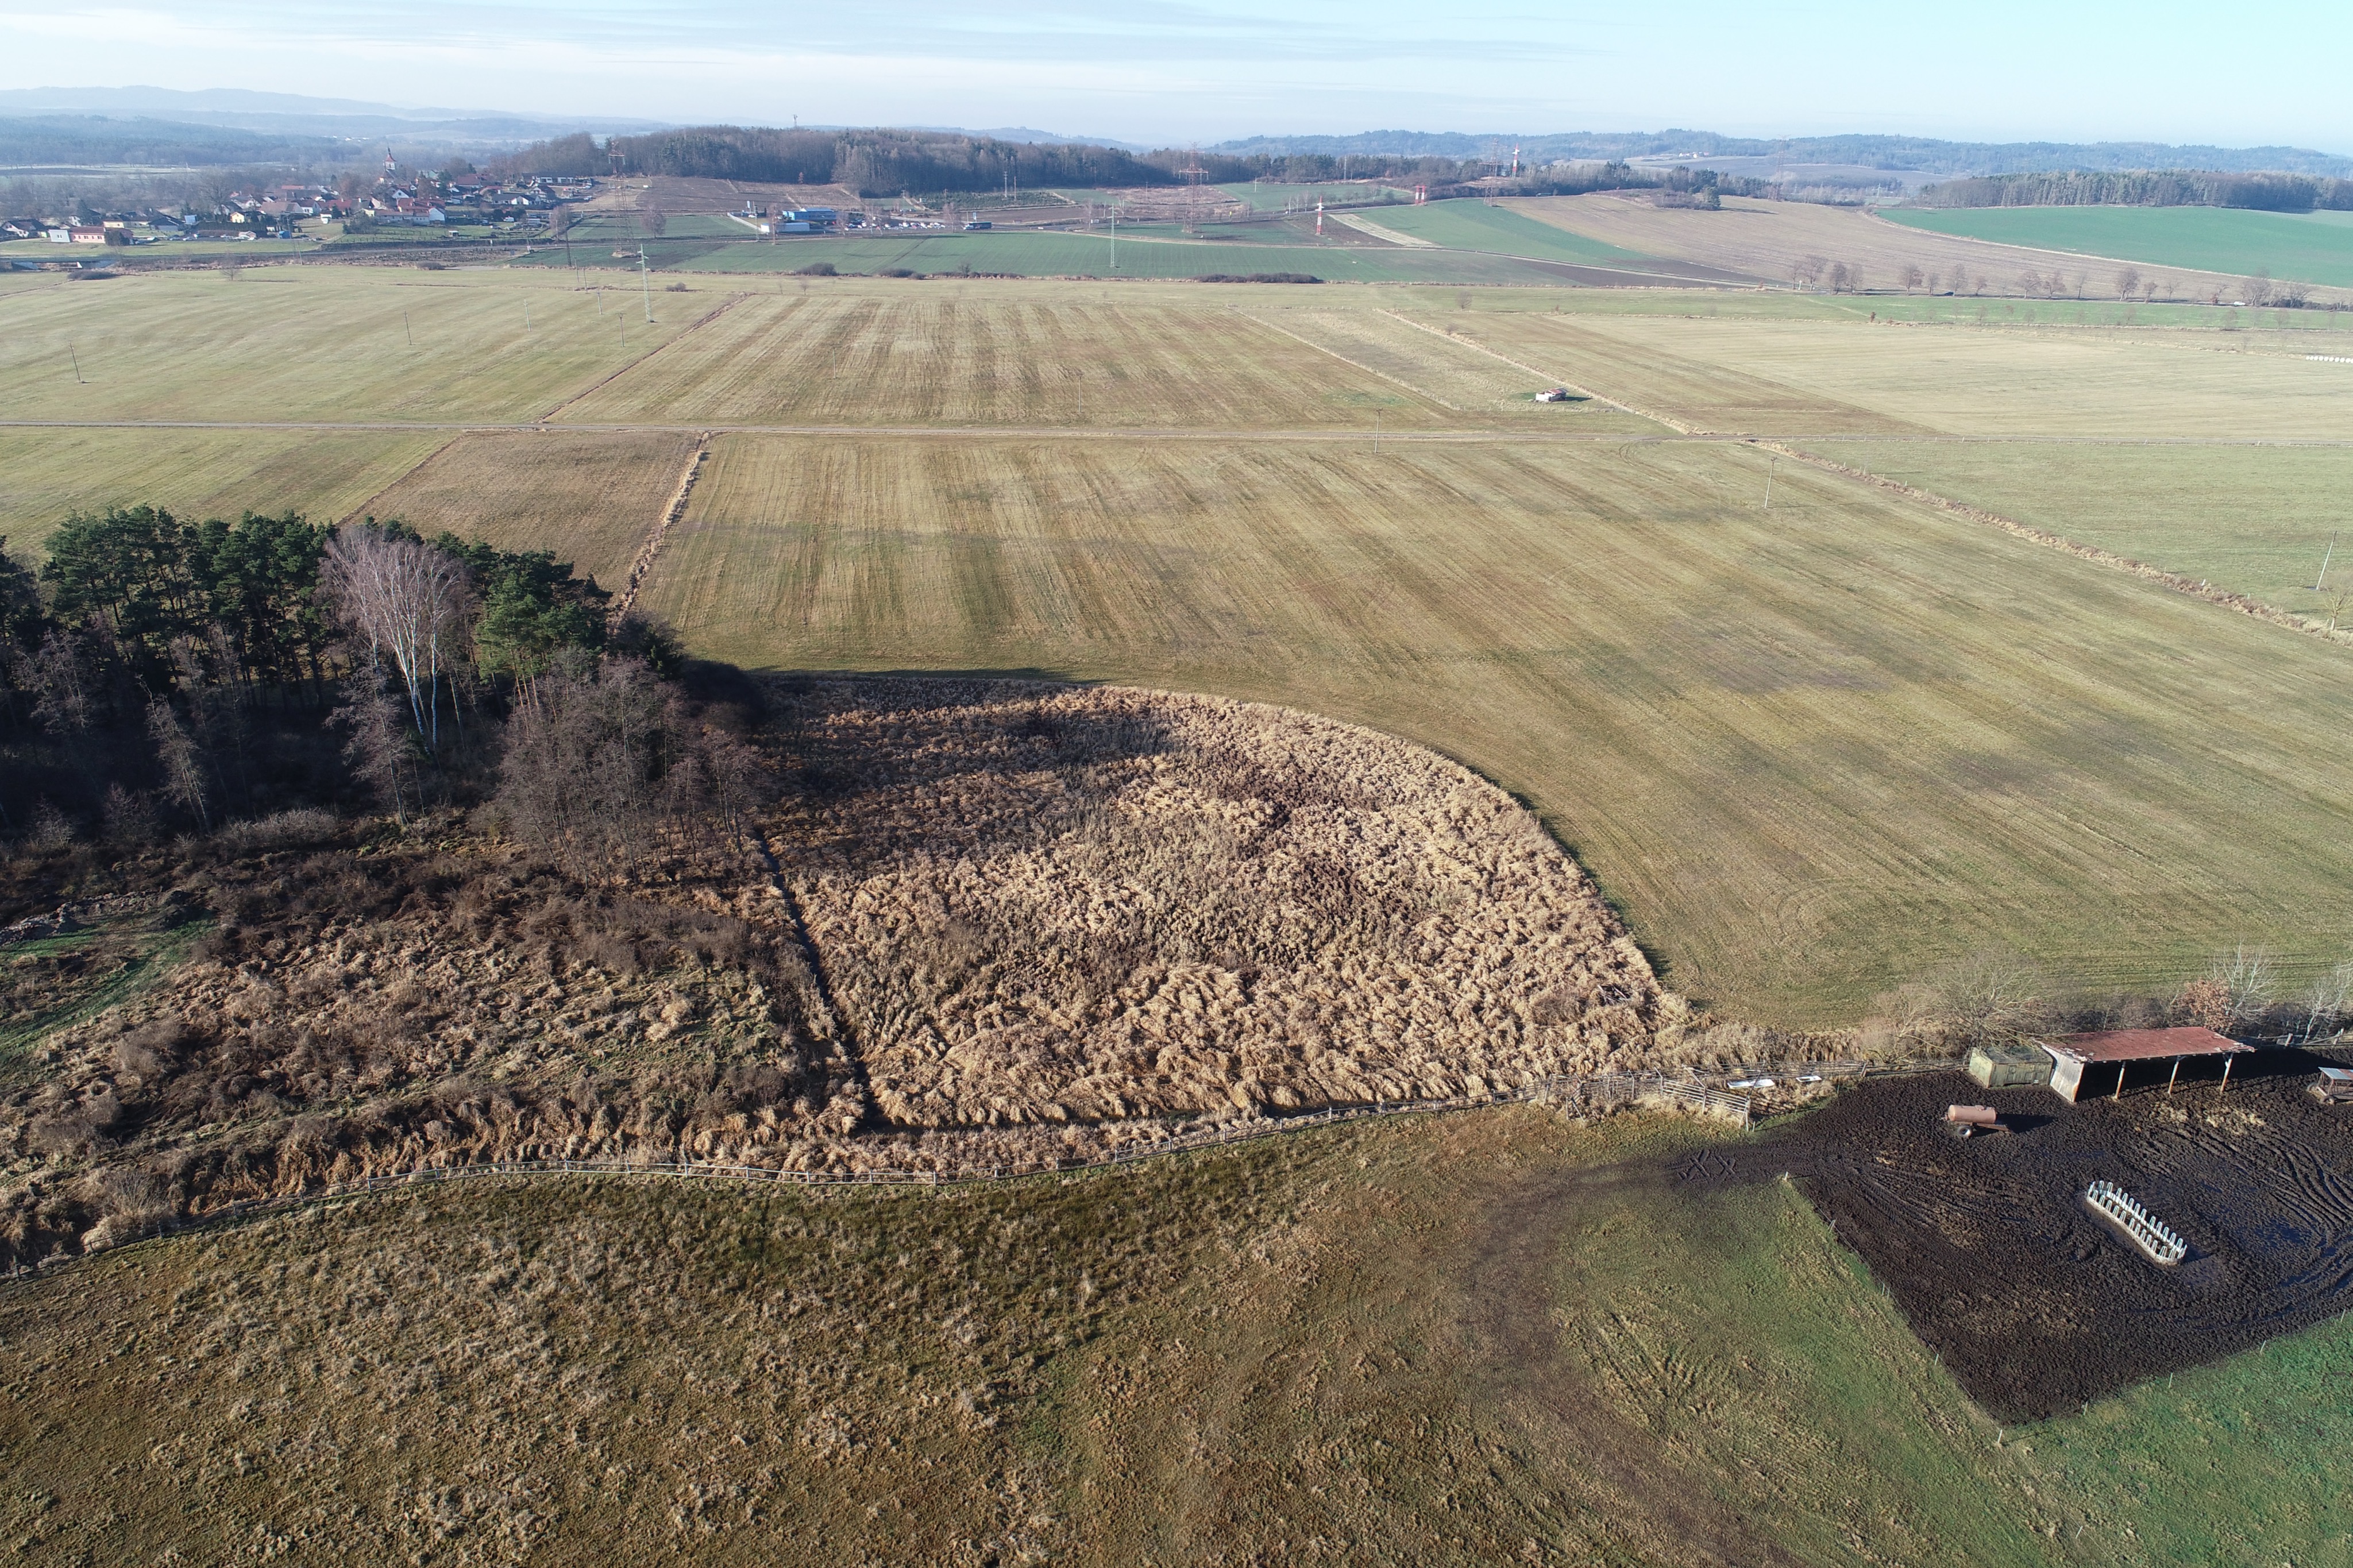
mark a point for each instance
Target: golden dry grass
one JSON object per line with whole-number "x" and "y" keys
{"x": 591, "y": 497}
{"x": 1813, "y": 753}
{"x": 1823, "y": 378}
{"x": 47, "y": 475}
{"x": 1766, "y": 239}
{"x": 1077, "y": 912}
{"x": 1048, "y": 905}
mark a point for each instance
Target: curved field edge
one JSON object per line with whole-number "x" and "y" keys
{"x": 1221, "y": 1352}
{"x": 1811, "y": 753}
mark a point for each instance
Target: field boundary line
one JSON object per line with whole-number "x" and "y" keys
{"x": 1578, "y": 1093}
{"x": 2195, "y": 588}
{"x": 1677, "y": 425}
{"x": 366, "y": 507}
{"x": 697, "y": 325}
{"x": 644, "y": 563}
{"x": 1344, "y": 358}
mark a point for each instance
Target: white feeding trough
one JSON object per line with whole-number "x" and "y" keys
{"x": 2144, "y": 1229}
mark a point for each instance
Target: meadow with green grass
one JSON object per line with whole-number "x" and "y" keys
{"x": 2313, "y": 248}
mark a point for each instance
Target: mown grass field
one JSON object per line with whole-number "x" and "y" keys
{"x": 2315, "y": 248}
{"x": 1815, "y": 752}
{"x": 1307, "y": 1349}
{"x": 306, "y": 344}
{"x": 1083, "y": 255}
{"x": 1808, "y": 379}
{"x": 1475, "y": 225}
{"x": 592, "y": 497}
{"x": 2255, "y": 519}
{"x": 47, "y": 475}
{"x": 959, "y": 354}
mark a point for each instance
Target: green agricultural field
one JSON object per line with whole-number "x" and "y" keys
{"x": 1313, "y": 1339}
{"x": 2255, "y": 519}
{"x": 1055, "y": 254}
{"x": 1271, "y": 196}
{"x": 2315, "y": 248}
{"x": 1814, "y": 753}
{"x": 1464, "y": 224}
{"x": 47, "y": 475}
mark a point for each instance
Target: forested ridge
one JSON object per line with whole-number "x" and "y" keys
{"x": 2265, "y": 192}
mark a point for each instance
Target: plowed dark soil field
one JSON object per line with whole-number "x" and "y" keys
{"x": 2036, "y": 1304}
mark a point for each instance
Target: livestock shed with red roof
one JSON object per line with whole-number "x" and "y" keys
{"x": 2073, "y": 1057}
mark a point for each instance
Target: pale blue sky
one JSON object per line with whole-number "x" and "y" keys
{"x": 1164, "y": 70}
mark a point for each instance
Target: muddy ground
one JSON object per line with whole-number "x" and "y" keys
{"x": 2036, "y": 1305}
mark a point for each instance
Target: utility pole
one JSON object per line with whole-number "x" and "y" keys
{"x": 407, "y": 331}
{"x": 1768, "y": 481}
{"x": 2331, "y": 550}
{"x": 645, "y": 281}
{"x": 1115, "y": 233}
{"x": 77, "y": 365}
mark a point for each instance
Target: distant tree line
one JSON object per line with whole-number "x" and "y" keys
{"x": 2263, "y": 191}
{"x": 160, "y": 677}
{"x": 873, "y": 163}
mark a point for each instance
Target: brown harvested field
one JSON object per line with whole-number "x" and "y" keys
{"x": 47, "y": 475}
{"x": 593, "y": 499}
{"x": 1860, "y": 377}
{"x": 1767, "y": 239}
{"x": 2036, "y": 1305}
{"x": 940, "y": 352}
{"x": 1052, "y": 905}
{"x": 1816, "y": 752}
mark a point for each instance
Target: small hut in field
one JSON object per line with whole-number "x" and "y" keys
{"x": 2081, "y": 1063}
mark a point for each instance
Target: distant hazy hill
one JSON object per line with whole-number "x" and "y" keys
{"x": 56, "y": 139}
{"x": 1917, "y": 152}
{"x": 290, "y": 116}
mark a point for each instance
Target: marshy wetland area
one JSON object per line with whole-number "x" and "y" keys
{"x": 1118, "y": 825}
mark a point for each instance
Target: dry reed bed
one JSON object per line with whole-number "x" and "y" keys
{"x": 1051, "y": 905}
{"x": 1052, "y": 923}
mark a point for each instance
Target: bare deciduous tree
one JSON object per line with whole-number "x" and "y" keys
{"x": 409, "y": 601}
{"x": 2128, "y": 282}
{"x": 184, "y": 766}
{"x": 380, "y": 749}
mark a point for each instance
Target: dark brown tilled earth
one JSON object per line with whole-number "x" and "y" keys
{"x": 2036, "y": 1305}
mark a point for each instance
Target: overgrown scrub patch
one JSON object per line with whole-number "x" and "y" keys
{"x": 1044, "y": 904}
{"x": 930, "y": 925}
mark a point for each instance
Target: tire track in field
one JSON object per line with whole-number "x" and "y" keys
{"x": 1359, "y": 365}
{"x": 2193, "y": 587}
{"x": 705, "y": 320}
{"x": 1677, "y": 425}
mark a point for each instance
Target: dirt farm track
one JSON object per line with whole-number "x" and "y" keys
{"x": 2035, "y": 1304}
